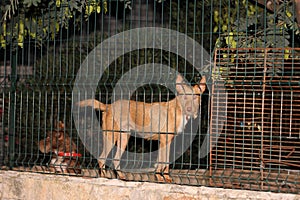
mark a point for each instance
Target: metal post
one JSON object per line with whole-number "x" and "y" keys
{"x": 11, "y": 125}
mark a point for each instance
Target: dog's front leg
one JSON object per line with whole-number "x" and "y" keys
{"x": 164, "y": 158}
{"x": 121, "y": 146}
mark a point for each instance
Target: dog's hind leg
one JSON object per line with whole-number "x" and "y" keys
{"x": 108, "y": 143}
{"x": 162, "y": 167}
{"x": 122, "y": 142}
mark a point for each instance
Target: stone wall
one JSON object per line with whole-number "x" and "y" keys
{"x": 24, "y": 185}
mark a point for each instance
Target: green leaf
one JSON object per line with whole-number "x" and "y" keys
{"x": 29, "y": 3}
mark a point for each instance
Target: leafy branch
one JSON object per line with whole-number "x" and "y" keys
{"x": 259, "y": 28}
{"x": 10, "y": 9}
{"x": 41, "y": 20}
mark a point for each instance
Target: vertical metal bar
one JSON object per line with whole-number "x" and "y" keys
{"x": 2, "y": 142}
{"x": 211, "y": 119}
{"x": 11, "y": 125}
{"x": 262, "y": 120}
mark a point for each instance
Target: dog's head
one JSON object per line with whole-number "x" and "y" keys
{"x": 57, "y": 141}
{"x": 189, "y": 97}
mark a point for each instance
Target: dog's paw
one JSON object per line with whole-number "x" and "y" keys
{"x": 121, "y": 175}
{"x": 168, "y": 179}
{"x": 163, "y": 178}
{"x": 102, "y": 172}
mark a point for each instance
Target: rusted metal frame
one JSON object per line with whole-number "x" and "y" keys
{"x": 262, "y": 119}
{"x": 292, "y": 150}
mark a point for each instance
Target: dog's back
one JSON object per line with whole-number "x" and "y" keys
{"x": 149, "y": 118}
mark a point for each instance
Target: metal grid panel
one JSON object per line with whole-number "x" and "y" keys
{"x": 259, "y": 144}
{"x": 35, "y": 101}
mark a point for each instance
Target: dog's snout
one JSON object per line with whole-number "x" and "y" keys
{"x": 189, "y": 109}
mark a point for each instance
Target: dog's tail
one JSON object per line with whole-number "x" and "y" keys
{"x": 93, "y": 103}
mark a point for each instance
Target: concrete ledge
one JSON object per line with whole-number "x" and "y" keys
{"x": 24, "y": 185}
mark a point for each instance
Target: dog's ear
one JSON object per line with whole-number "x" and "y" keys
{"x": 48, "y": 133}
{"x": 59, "y": 135}
{"x": 180, "y": 84}
{"x": 179, "y": 79}
{"x": 61, "y": 125}
{"x": 200, "y": 88}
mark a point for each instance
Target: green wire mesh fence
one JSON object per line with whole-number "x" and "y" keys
{"x": 246, "y": 132}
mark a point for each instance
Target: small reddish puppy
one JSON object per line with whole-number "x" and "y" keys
{"x": 64, "y": 157}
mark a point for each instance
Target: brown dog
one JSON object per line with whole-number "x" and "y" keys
{"x": 154, "y": 120}
{"x": 65, "y": 157}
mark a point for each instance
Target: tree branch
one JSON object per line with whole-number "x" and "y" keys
{"x": 297, "y": 6}
{"x": 271, "y": 5}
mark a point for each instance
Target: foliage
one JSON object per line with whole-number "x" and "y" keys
{"x": 41, "y": 20}
{"x": 244, "y": 24}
